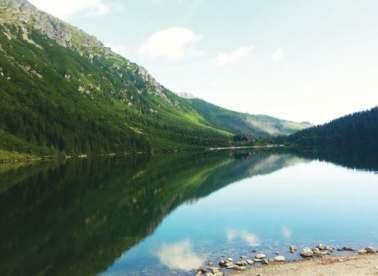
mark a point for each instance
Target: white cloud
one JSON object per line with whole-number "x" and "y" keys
{"x": 64, "y": 9}
{"x": 225, "y": 58}
{"x": 278, "y": 54}
{"x": 179, "y": 255}
{"x": 250, "y": 238}
{"x": 172, "y": 43}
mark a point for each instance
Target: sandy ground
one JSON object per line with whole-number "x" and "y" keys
{"x": 327, "y": 266}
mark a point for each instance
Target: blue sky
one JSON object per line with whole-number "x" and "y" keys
{"x": 298, "y": 60}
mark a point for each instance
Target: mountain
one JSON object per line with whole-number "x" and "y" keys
{"x": 355, "y": 131}
{"x": 62, "y": 90}
{"x": 261, "y": 126}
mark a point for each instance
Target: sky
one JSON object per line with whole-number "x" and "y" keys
{"x": 294, "y": 59}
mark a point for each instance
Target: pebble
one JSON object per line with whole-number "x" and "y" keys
{"x": 260, "y": 256}
{"x": 239, "y": 268}
{"x": 307, "y": 252}
{"x": 293, "y": 249}
{"x": 370, "y": 250}
{"x": 362, "y": 251}
{"x": 250, "y": 262}
{"x": 346, "y": 249}
{"x": 279, "y": 259}
{"x": 241, "y": 263}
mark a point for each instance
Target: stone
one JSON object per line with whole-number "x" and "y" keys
{"x": 316, "y": 251}
{"x": 201, "y": 271}
{"x": 362, "y": 252}
{"x": 222, "y": 263}
{"x": 265, "y": 261}
{"x": 241, "y": 263}
{"x": 346, "y": 249}
{"x": 329, "y": 248}
{"x": 307, "y": 253}
{"x": 239, "y": 268}
{"x": 260, "y": 256}
{"x": 214, "y": 270}
{"x": 279, "y": 259}
{"x": 293, "y": 249}
{"x": 321, "y": 246}
{"x": 370, "y": 250}
{"x": 250, "y": 262}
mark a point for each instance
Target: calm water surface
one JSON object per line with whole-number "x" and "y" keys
{"x": 168, "y": 215}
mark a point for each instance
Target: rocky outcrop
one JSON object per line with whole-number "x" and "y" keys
{"x": 28, "y": 17}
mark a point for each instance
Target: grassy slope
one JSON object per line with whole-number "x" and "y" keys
{"x": 256, "y": 125}
{"x": 86, "y": 105}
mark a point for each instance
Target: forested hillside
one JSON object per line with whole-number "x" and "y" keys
{"x": 63, "y": 91}
{"x": 358, "y": 130}
{"x": 261, "y": 126}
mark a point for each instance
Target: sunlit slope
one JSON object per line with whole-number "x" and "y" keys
{"x": 244, "y": 123}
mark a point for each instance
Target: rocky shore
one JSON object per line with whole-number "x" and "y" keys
{"x": 259, "y": 261}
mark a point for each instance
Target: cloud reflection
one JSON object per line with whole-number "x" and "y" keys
{"x": 286, "y": 232}
{"x": 179, "y": 255}
{"x": 250, "y": 238}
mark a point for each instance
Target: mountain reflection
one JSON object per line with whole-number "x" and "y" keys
{"x": 77, "y": 217}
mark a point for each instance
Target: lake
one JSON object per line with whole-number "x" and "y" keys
{"x": 167, "y": 215}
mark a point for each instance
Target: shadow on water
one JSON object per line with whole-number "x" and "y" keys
{"x": 353, "y": 158}
{"x": 77, "y": 217}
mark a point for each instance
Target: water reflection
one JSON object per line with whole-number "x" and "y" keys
{"x": 179, "y": 256}
{"x": 78, "y": 217}
{"x": 250, "y": 238}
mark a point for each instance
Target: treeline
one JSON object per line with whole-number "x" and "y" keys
{"x": 358, "y": 130}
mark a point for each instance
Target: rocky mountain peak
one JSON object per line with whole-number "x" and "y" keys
{"x": 28, "y": 17}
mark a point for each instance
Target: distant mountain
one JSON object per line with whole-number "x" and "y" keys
{"x": 244, "y": 123}
{"x": 63, "y": 91}
{"x": 358, "y": 130}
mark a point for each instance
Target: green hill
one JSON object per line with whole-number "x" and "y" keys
{"x": 358, "y": 131}
{"x": 63, "y": 91}
{"x": 243, "y": 123}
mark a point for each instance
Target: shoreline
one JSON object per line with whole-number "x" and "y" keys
{"x": 319, "y": 260}
{"x": 268, "y": 146}
{"x": 327, "y": 265}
